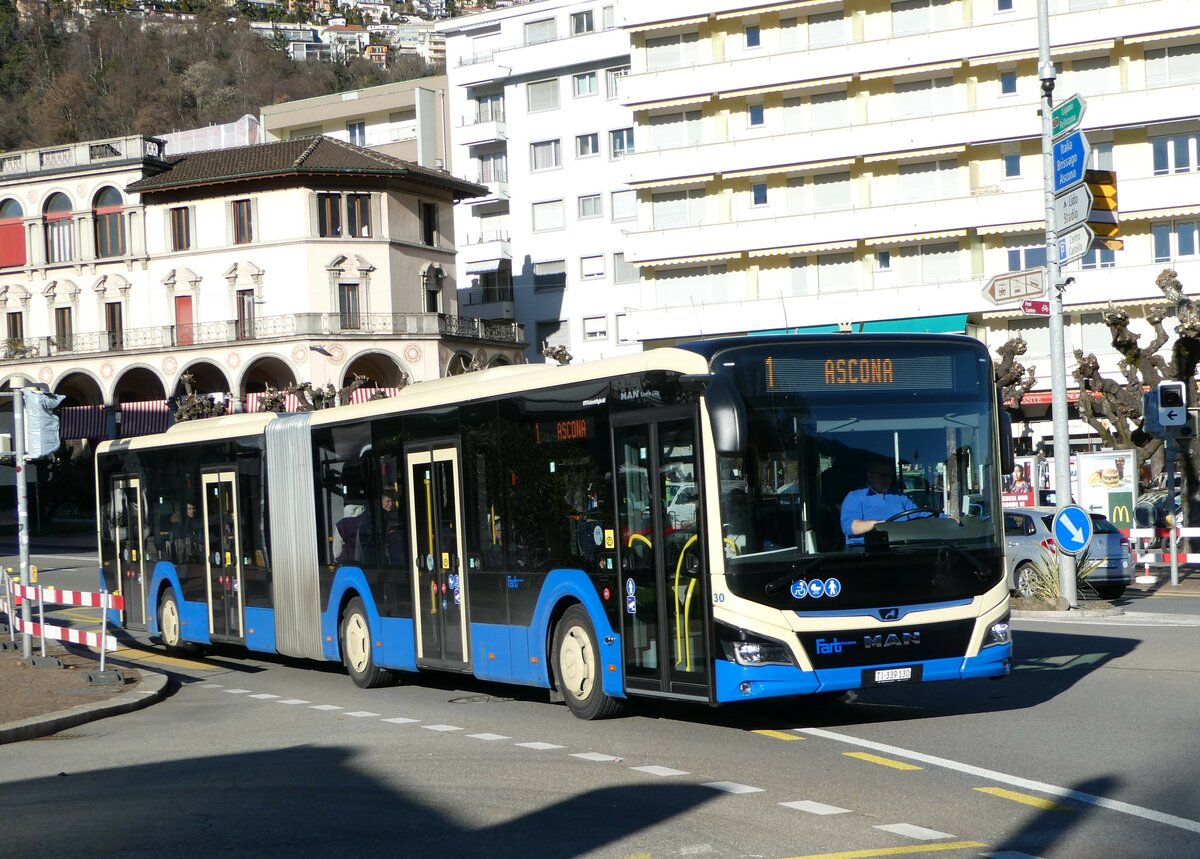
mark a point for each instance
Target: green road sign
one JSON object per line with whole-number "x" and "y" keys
{"x": 1067, "y": 116}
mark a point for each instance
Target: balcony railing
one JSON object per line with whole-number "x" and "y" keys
{"x": 487, "y": 236}
{"x": 262, "y": 328}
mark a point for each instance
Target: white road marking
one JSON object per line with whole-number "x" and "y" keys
{"x": 443, "y": 728}
{"x": 1007, "y": 854}
{"x": 212, "y": 686}
{"x": 488, "y": 737}
{"x": 659, "y": 771}
{"x": 400, "y": 720}
{"x": 238, "y": 691}
{"x": 1014, "y": 781}
{"x": 326, "y": 707}
{"x": 264, "y": 696}
{"x": 732, "y": 787}
{"x": 695, "y": 850}
{"x": 918, "y": 832}
{"x": 361, "y": 714}
{"x": 540, "y": 747}
{"x": 293, "y": 701}
{"x": 595, "y": 756}
{"x": 814, "y": 807}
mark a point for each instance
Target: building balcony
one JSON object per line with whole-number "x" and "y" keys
{"x": 485, "y": 246}
{"x": 497, "y": 192}
{"x": 79, "y": 156}
{"x": 267, "y": 328}
{"x": 475, "y": 130}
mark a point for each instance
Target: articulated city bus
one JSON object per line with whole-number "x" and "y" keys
{"x": 664, "y": 524}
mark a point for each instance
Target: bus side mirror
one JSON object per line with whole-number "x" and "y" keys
{"x": 727, "y": 411}
{"x": 1007, "y": 460}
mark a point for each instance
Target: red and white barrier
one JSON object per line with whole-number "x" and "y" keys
{"x": 1164, "y": 557}
{"x": 54, "y": 596}
{"x": 66, "y": 633}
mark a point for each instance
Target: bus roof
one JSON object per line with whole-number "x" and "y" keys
{"x": 466, "y": 388}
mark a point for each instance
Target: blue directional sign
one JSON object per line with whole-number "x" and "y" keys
{"x": 1070, "y": 161}
{"x": 1073, "y": 529}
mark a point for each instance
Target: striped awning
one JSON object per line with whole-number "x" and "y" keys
{"x": 666, "y": 25}
{"x": 813, "y": 83}
{"x": 672, "y": 102}
{"x": 83, "y": 422}
{"x": 765, "y": 8}
{"x": 913, "y": 154}
{"x": 1010, "y": 229}
{"x": 912, "y": 238}
{"x": 1160, "y": 37}
{"x": 144, "y": 417}
{"x": 997, "y": 59}
{"x": 1081, "y": 48}
{"x": 800, "y": 250}
{"x": 1154, "y": 214}
{"x": 671, "y": 183}
{"x": 907, "y": 71}
{"x": 483, "y": 266}
{"x": 798, "y": 167}
{"x": 695, "y": 260}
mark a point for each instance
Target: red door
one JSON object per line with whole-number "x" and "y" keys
{"x": 184, "y": 335}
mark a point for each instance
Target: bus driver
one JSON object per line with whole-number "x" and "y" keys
{"x": 874, "y": 503}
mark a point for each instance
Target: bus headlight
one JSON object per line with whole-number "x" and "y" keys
{"x": 999, "y": 632}
{"x": 745, "y": 648}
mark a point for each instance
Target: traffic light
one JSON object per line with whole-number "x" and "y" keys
{"x": 1103, "y": 217}
{"x": 41, "y": 423}
{"x": 1172, "y": 404}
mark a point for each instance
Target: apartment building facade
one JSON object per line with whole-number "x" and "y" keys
{"x": 536, "y": 117}
{"x": 870, "y": 164}
{"x": 124, "y": 270}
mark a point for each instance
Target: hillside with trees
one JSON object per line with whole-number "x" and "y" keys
{"x": 65, "y": 78}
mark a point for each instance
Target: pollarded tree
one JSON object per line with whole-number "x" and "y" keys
{"x": 1013, "y": 378}
{"x": 1114, "y": 409}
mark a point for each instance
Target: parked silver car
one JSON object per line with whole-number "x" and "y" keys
{"x": 1027, "y": 531}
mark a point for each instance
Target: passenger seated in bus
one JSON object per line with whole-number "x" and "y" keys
{"x": 387, "y": 546}
{"x": 186, "y": 536}
{"x": 874, "y": 503}
{"x": 346, "y": 541}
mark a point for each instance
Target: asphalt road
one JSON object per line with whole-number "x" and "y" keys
{"x": 1086, "y": 750}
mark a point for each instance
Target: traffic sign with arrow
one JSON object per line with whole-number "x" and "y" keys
{"x": 1070, "y": 161}
{"x": 1103, "y": 217}
{"x": 1034, "y": 307}
{"x": 1073, "y": 529}
{"x": 1067, "y": 115}
{"x": 1015, "y": 286}
{"x": 1072, "y": 208}
{"x": 1076, "y": 243}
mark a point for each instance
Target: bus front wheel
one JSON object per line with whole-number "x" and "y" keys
{"x": 577, "y": 667}
{"x": 355, "y": 635}
{"x": 168, "y": 622}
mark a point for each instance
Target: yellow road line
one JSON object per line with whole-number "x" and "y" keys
{"x": 898, "y": 851}
{"x": 778, "y": 735}
{"x": 886, "y": 762}
{"x": 1024, "y": 798}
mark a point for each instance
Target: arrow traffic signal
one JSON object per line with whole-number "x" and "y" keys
{"x": 1103, "y": 217}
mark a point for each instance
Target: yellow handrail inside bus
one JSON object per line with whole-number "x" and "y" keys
{"x": 641, "y": 537}
{"x": 679, "y": 635}
{"x": 429, "y": 522}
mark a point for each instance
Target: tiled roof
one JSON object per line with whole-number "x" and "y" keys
{"x": 305, "y": 156}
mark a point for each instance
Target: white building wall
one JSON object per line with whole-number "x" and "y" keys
{"x": 595, "y": 301}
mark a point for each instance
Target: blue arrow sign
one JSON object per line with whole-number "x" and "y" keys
{"x": 1070, "y": 161}
{"x": 1073, "y": 529}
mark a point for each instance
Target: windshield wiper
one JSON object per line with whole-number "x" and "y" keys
{"x": 976, "y": 566}
{"x": 799, "y": 568}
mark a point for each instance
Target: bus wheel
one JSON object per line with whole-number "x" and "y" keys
{"x": 355, "y": 635}
{"x": 577, "y": 667}
{"x": 168, "y": 622}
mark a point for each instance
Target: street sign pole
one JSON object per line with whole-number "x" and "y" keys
{"x": 22, "y": 510}
{"x": 1173, "y": 523}
{"x": 1058, "y": 358}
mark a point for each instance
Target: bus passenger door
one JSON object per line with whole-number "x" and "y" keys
{"x": 128, "y": 530}
{"x": 664, "y": 589}
{"x": 439, "y": 586}
{"x": 223, "y": 557}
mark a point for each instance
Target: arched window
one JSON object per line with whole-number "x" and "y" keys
{"x": 60, "y": 232}
{"x": 110, "y": 224}
{"x": 12, "y": 234}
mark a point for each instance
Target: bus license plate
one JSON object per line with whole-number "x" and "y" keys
{"x": 880, "y": 676}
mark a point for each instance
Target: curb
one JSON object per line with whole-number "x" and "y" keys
{"x": 150, "y": 689}
{"x": 1080, "y": 613}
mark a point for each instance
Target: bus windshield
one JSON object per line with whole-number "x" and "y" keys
{"x": 821, "y": 415}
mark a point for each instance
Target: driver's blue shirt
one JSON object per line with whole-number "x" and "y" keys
{"x": 866, "y": 503}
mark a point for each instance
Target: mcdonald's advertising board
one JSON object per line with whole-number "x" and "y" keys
{"x": 1107, "y": 484}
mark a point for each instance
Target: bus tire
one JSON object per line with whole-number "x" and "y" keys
{"x": 169, "y": 628}
{"x": 354, "y": 634}
{"x": 577, "y": 667}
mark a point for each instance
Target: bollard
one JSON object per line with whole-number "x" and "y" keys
{"x": 1146, "y": 578}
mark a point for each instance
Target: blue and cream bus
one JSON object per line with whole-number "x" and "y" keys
{"x": 658, "y": 525}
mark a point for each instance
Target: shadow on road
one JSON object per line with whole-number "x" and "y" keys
{"x": 304, "y": 801}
